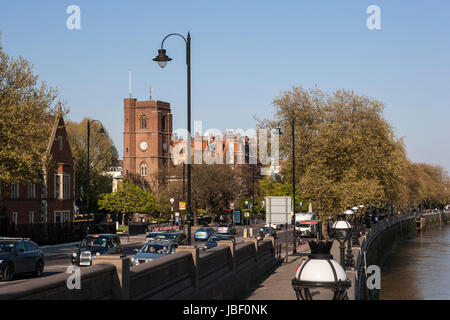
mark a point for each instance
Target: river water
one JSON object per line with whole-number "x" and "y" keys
{"x": 419, "y": 268}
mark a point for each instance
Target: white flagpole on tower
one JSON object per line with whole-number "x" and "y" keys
{"x": 129, "y": 83}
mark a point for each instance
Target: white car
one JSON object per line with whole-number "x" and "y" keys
{"x": 274, "y": 225}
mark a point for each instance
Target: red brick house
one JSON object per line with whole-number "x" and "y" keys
{"x": 48, "y": 202}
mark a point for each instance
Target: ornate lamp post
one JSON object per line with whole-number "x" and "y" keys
{"x": 320, "y": 271}
{"x": 88, "y": 165}
{"x": 361, "y": 216}
{"x": 349, "y": 262}
{"x": 162, "y": 60}
{"x": 355, "y": 235}
{"x": 341, "y": 232}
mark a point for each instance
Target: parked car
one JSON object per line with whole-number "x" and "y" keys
{"x": 177, "y": 238}
{"x": 94, "y": 245}
{"x": 152, "y": 250}
{"x": 19, "y": 255}
{"x": 226, "y": 228}
{"x": 203, "y": 233}
{"x": 268, "y": 231}
{"x": 215, "y": 238}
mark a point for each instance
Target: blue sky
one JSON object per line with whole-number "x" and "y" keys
{"x": 243, "y": 54}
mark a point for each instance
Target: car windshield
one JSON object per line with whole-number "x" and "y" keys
{"x": 217, "y": 238}
{"x": 7, "y": 246}
{"x": 156, "y": 248}
{"x": 202, "y": 230}
{"x": 223, "y": 225}
{"x": 94, "y": 242}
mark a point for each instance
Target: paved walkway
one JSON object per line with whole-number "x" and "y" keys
{"x": 278, "y": 285}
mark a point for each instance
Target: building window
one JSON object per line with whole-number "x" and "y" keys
{"x": 62, "y": 217}
{"x": 31, "y": 217}
{"x": 66, "y": 186}
{"x": 57, "y": 217}
{"x": 143, "y": 122}
{"x": 15, "y": 191}
{"x": 31, "y": 191}
{"x": 60, "y": 143}
{"x": 127, "y": 149}
{"x": 15, "y": 218}
{"x": 163, "y": 123}
{"x": 57, "y": 186}
{"x": 144, "y": 170}
{"x": 62, "y": 186}
{"x": 66, "y": 216}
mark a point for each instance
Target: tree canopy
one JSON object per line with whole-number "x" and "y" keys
{"x": 346, "y": 152}
{"x": 128, "y": 199}
{"x": 27, "y": 110}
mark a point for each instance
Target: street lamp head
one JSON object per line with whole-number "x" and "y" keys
{"x": 320, "y": 271}
{"x": 341, "y": 229}
{"x": 172, "y": 200}
{"x": 349, "y": 212}
{"x": 355, "y": 208}
{"x": 162, "y": 58}
{"x": 361, "y": 206}
{"x": 279, "y": 130}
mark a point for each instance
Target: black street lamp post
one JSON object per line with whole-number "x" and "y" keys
{"x": 341, "y": 232}
{"x": 356, "y": 226}
{"x": 349, "y": 262}
{"x": 162, "y": 60}
{"x": 88, "y": 165}
{"x": 293, "y": 182}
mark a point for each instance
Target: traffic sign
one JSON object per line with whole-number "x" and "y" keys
{"x": 182, "y": 205}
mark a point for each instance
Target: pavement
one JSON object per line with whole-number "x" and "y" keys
{"x": 278, "y": 285}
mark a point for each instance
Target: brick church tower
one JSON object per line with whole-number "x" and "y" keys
{"x": 146, "y": 139}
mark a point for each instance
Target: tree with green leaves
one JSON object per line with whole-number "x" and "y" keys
{"x": 103, "y": 154}
{"x": 27, "y": 110}
{"x": 347, "y": 153}
{"x": 128, "y": 199}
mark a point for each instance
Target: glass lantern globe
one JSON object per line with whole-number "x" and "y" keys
{"x": 341, "y": 229}
{"x": 320, "y": 276}
{"x": 162, "y": 58}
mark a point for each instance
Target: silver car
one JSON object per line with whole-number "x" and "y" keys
{"x": 226, "y": 229}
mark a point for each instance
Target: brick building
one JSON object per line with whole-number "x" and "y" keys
{"x": 52, "y": 200}
{"x": 146, "y": 139}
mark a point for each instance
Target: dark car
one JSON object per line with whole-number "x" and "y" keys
{"x": 226, "y": 228}
{"x": 94, "y": 245}
{"x": 215, "y": 238}
{"x": 177, "y": 238}
{"x": 20, "y": 256}
{"x": 203, "y": 233}
{"x": 268, "y": 231}
{"x": 153, "y": 250}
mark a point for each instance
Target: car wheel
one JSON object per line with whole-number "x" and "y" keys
{"x": 8, "y": 274}
{"x": 39, "y": 269}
